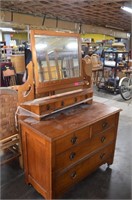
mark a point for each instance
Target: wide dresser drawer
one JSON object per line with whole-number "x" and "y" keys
{"x": 82, "y": 150}
{"x": 83, "y": 134}
{"x": 78, "y": 172}
{"x": 72, "y": 139}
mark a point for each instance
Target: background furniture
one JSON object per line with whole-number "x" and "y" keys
{"x": 114, "y": 64}
{"x": 97, "y": 68}
{"x": 9, "y": 137}
{"x": 9, "y": 77}
{"x": 18, "y": 61}
{"x": 6, "y": 52}
{"x": 3, "y": 67}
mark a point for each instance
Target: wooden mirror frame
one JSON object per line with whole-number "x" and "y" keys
{"x": 55, "y": 93}
{"x": 50, "y": 87}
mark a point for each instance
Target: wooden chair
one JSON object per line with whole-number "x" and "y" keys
{"x": 9, "y": 137}
{"x": 9, "y": 77}
{"x": 97, "y": 68}
{"x": 87, "y": 58}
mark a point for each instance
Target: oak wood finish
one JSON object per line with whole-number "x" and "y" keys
{"x": 67, "y": 146}
{"x": 26, "y": 91}
{"x": 42, "y": 97}
{"x": 46, "y": 105}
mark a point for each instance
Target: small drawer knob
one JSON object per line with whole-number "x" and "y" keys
{"x": 102, "y": 156}
{"x": 75, "y": 99}
{"x": 62, "y": 103}
{"x": 74, "y": 140}
{"x": 72, "y": 155}
{"x": 103, "y": 139}
{"x": 48, "y": 107}
{"x": 104, "y": 125}
{"x": 86, "y": 96}
{"x": 73, "y": 175}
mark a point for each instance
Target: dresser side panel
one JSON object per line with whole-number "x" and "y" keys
{"x": 37, "y": 161}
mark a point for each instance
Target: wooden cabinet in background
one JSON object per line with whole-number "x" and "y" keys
{"x": 18, "y": 62}
{"x": 67, "y": 146}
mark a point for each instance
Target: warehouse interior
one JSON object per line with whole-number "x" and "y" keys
{"x": 81, "y": 147}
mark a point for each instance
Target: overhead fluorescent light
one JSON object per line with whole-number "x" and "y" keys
{"x": 7, "y": 29}
{"x": 114, "y": 27}
{"x": 127, "y": 9}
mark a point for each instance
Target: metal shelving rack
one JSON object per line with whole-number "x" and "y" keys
{"x": 113, "y": 63}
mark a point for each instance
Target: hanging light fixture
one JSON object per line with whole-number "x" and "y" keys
{"x": 6, "y": 29}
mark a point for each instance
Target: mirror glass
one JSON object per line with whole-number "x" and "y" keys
{"x": 57, "y": 57}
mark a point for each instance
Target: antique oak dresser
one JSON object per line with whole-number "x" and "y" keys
{"x": 67, "y": 146}
{"x": 65, "y": 135}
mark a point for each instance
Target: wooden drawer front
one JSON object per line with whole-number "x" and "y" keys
{"x": 74, "y": 154}
{"x": 103, "y": 125}
{"x": 72, "y": 139}
{"x": 78, "y": 172}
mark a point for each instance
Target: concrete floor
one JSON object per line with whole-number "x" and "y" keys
{"x": 105, "y": 183}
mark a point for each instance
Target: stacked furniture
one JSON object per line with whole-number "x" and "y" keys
{"x": 114, "y": 64}
{"x": 97, "y": 68}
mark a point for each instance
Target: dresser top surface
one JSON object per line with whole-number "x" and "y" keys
{"x": 69, "y": 120}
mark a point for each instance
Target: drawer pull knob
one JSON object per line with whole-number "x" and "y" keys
{"x": 102, "y": 155}
{"x": 48, "y": 107}
{"x": 72, "y": 155}
{"x": 103, "y": 139}
{"x": 75, "y": 99}
{"x": 73, "y": 175}
{"x": 62, "y": 103}
{"x": 104, "y": 125}
{"x": 74, "y": 140}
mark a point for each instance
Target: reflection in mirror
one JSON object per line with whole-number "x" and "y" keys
{"x": 57, "y": 57}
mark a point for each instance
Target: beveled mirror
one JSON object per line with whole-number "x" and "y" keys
{"x": 57, "y": 57}
{"x": 57, "y": 60}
